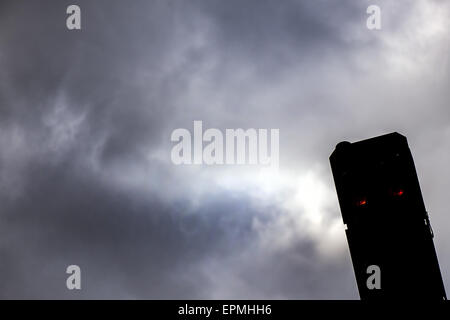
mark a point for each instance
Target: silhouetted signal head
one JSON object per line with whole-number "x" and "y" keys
{"x": 387, "y": 224}
{"x": 376, "y": 171}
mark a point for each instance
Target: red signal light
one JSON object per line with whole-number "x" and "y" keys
{"x": 362, "y": 202}
{"x": 398, "y": 193}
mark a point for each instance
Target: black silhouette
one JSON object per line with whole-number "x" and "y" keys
{"x": 387, "y": 224}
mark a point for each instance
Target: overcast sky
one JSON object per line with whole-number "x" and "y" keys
{"x": 86, "y": 117}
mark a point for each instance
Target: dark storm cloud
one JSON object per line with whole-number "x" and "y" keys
{"x": 142, "y": 247}
{"x": 85, "y": 121}
{"x": 268, "y": 27}
{"x": 95, "y": 71}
